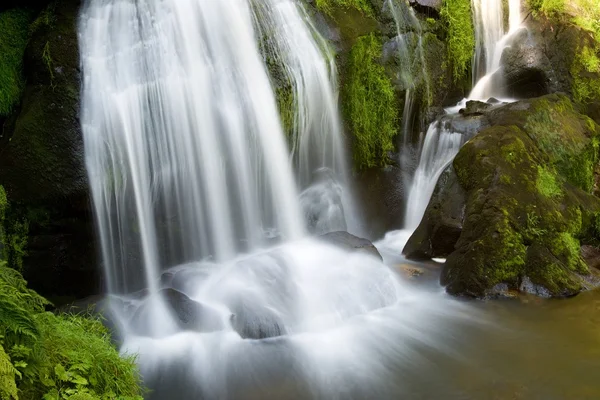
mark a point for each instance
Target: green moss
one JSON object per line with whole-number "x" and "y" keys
{"x": 533, "y": 231}
{"x": 460, "y": 35}
{"x": 370, "y": 104}
{"x": 520, "y": 219}
{"x": 3, "y": 208}
{"x": 567, "y": 249}
{"x": 509, "y": 257}
{"x": 14, "y": 34}
{"x": 585, "y": 67}
{"x": 286, "y": 106}
{"x": 328, "y": 6}
{"x": 567, "y": 139}
{"x": 585, "y": 71}
{"x": 546, "y": 183}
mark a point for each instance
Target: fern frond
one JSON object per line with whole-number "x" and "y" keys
{"x": 8, "y": 373}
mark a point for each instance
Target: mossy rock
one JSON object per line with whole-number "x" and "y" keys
{"x": 527, "y": 202}
{"x": 42, "y": 152}
{"x": 48, "y": 227}
{"x": 370, "y": 104}
{"x": 568, "y": 35}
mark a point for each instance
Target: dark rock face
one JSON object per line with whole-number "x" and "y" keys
{"x": 441, "y": 226}
{"x": 381, "y": 199}
{"x": 350, "y": 242}
{"x": 42, "y": 162}
{"x": 429, "y": 7}
{"x": 527, "y": 69}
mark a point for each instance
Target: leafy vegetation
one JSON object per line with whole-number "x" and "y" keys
{"x": 460, "y": 35}
{"x": 14, "y": 34}
{"x": 53, "y": 357}
{"x": 328, "y": 6}
{"x": 370, "y": 103}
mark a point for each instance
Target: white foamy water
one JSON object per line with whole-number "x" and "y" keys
{"x": 189, "y": 169}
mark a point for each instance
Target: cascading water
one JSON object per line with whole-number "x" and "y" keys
{"x": 172, "y": 156}
{"x": 318, "y": 149}
{"x": 441, "y": 144}
{"x": 491, "y": 39}
{"x": 188, "y": 168}
{"x": 413, "y": 74}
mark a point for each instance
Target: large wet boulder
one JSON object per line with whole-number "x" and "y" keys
{"x": 527, "y": 70}
{"x": 349, "y": 242}
{"x": 559, "y": 52}
{"x": 441, "y": 226}
{"x": 187, "y": 313}
{"x": 527, "y": 184}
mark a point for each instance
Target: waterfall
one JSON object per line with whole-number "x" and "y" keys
{"x": 491, "y": 40}
{"x": 441, "y": 144}
{"x": 413, "y": 75}
{"x": 184, "y": 146}
{"x": 439, "y": 149}
{"x": 317, "y": 144}
{"x": 192, "y": 180}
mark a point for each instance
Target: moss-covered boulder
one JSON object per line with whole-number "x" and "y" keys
{"x": 42, "y": 152}
{"x": 528, "y": 204}
{"x": 564, "y": 51}
{"x": 49, "y": 232}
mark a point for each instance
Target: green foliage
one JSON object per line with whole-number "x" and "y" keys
{"x": 47, "y": 356}
{"x": 532, "y": 230}
{"x": 14, "y": 35}
{"x": 45, "y": 19}
{"x": 460, "y": 35}
{"x": 370, "y": 104}
{"x": 328, "y": 6}
{"x": 546, "y": 183}
{"x": 8, "y": 376}
{"x": 77, "y": 358}
{"x": 17, "y": 235}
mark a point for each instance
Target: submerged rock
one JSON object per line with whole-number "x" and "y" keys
{"x": 519, "y": 206}
{"x": 188, "y": 314}
{"x": 347, "y": 241}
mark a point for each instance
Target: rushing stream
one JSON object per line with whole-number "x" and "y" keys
{"x": 204, "y": 211}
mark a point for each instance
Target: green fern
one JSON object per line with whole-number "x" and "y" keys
{"x": 8, "y": 374}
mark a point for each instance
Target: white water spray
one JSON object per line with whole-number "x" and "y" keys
{"x": 188, "y": 168}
